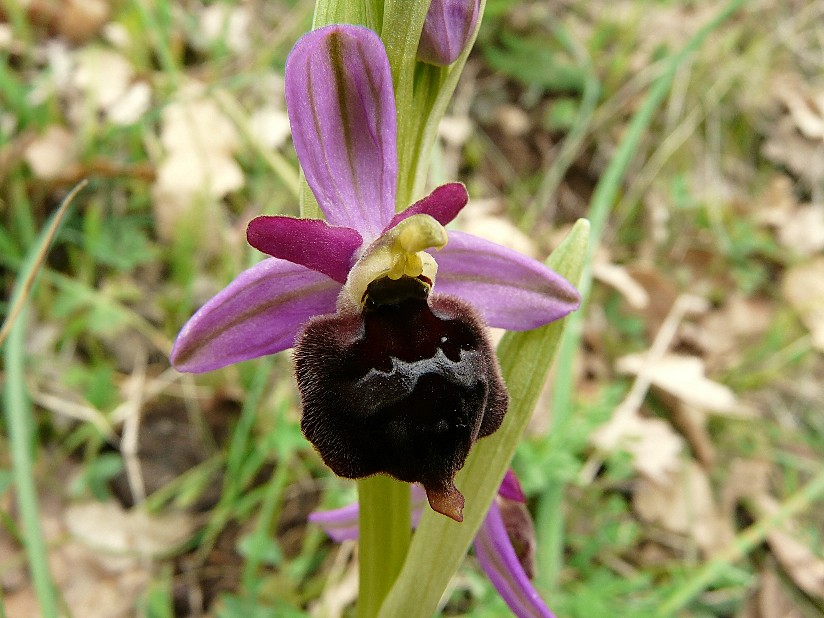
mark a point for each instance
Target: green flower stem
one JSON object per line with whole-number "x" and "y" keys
{"x": 440, "y": 544}
{"x": 385, "y": 532}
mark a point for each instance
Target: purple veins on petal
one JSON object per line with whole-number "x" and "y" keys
{"x": 443, "y": 204}
{"x": 341, "y": 106}
{"x": 310, "y": 242}
{"x": 258, "y": 313}
{"x": 446, "y": 31}
{"x": 510, "y": 290}
{"x": 499, "y": 561}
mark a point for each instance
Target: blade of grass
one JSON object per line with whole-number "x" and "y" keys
{"x": 18, "y": 410}
{"x": 550, "y": 510}
{"x": 238, "y": 452}
{"x": 744, "y": 543}
{"x": 21, "y": 436}
{"x": 36, "y": 259}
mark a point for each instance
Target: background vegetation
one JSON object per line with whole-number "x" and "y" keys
{"x": 675, "y": 468}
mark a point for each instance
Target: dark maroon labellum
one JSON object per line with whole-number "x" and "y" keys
{"x": 404, "y": 388}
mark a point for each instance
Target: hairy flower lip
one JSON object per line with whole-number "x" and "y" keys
{"x": 376, "y": 400}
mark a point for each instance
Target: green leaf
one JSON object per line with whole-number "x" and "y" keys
{"x": 439, "y": 545}
{"x": 532, "y": 62}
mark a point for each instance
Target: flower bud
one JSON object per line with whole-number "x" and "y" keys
{"x": 449, "y": 25}
{"x": 403, "y": 385}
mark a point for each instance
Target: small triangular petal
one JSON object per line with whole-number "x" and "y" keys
{"x": 500, "y": 563}
{"x": 310, "y": 242}
{"x": 258, "y": 313}
{"x": 510, "y": 290}
{"x": 341, "y": 106}
{"x": 511, "y": 488}
{"x": 443, "y": 204}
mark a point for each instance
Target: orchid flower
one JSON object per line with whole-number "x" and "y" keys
{"x": 509, "y": 565}
{"x": 387, "y": 312}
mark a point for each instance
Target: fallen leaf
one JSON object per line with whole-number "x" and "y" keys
{"x": 724, "y": 333}
{"x": 806, "y": 107}
{"x": 269, "y": 126}
{"x": 801, "y": 564}
{"x": 619, "y": 278}
{"x": 81, "y": 20}
{"x": 230, "y": 25}
{"x": 107, "y": 527}
{"x": 52, "y": 153}
{"x": 652, "y": 443}
{"x": 683, "y": 503}
{"x": 787, "y": 147}
{"x": 683, "y": 376}
{"x": 803, "y": 287}
{"x": 199, "y": 168}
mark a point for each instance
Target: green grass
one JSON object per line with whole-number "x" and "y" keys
{"x": 649, "y": 121}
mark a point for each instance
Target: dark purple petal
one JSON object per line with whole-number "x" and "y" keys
{"x": 443, "y": 204}
{"x": 341, "y": 106}
{"x": 511, "y": 290}
{"x": 310, "y": 242}
{"x": 258, "y": 313}
{"x": 511, "y": 489}
{"x": 446, "y": 31}
{"x": 500, "y": 563}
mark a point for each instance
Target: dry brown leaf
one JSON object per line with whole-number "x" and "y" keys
{"x": 652, "y": 443}
{"x": 513, "y": 120}
{"x": 52, "y": 153}
{"x": 94, "y": 585}
{"x": 803, "y": 233}
{"x": 683, "y": 503}
{"x": 725, "y": 332}
{"x": 106, "y": 526}
{"x": 199, "y": 167}
{"x": 661, "y": 292}
{"x": 803, "y": 288}
{"x": 787, "y": 147}
{"x": 683, "y": 377}
{"x": 80, "y": 20}
{"x": 220, "y": 22}
{"x": 619, "y": 278}
{"x": 805, "y": 106}
{"x": 269, "y": 126}
{"x": 455, "y": 130}
{"x": 771, "y": 600}
{"x": 801, "y": 564}
{"x": 104, "y": 78}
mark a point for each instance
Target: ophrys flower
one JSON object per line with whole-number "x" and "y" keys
{"x": 386, "y": 311}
